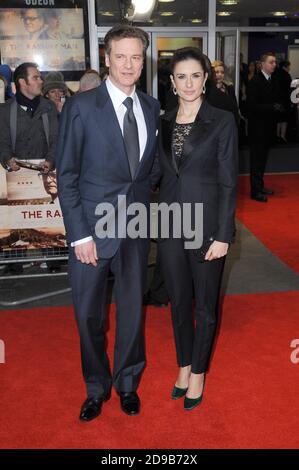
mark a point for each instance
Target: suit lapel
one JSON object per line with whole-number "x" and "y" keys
{"x": 167, "y": 125}
{"x": 107, "y": 121}
{"x": 199, "y": 132}
{"x": 150, "y": 129}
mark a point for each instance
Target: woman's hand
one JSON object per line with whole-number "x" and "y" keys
{"x": 216, "y": 250}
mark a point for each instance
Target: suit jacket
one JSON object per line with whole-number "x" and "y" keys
{"x": 31, "y": 141}
{"x": 261, "y": 96}
{"x": 208, "y": 170}
{"x": 92, "y": 163}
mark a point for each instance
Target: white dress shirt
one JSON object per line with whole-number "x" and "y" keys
{"x": 266, "y": 75}
{"x": 117, "y": 97}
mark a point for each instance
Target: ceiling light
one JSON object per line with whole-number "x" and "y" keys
{"x": 166, "y": 54}
{"x": 229, "y": 2}
{"x": 107, "y": 13}
{"x": 143, "y": 6}
{"x": 167, "y": 13}
{"x": 224, "y": 13}
{"x": 279, "y": 13}
{"x": 166, "y": 1}
{"x": 196, "y": 20}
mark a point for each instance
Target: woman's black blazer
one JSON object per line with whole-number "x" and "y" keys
{"x": 208, "y": 169}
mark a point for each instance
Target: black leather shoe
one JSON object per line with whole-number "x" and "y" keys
{"x": 129, "y": 403}
{"x": 147, "y": 300}
{"x": 92, "y": 407}
{"x": 259, "y": 197}
{"x": 267, "y": 191}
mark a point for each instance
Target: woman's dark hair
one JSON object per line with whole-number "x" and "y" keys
{"x": 122, "y": 31}
{"x": 186, "y": 53}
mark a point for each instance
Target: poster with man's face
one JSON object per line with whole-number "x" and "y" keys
{"x": 30, "y": 213}
{"x": 51, "y": 37}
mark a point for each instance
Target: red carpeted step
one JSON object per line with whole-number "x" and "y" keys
{"x": 276, "y": 223}
{"x": 251, "y": 393}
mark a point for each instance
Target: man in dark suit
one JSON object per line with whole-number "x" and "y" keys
{"x": 263, "y": 108}
{"x": 106, "y": 149}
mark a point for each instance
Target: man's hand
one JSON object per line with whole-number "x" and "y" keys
{"x": 216, "y": 250}
{"x": 87, "y": 253}
{"x": 12, "y": 164}
{"x": 46, "y": 166}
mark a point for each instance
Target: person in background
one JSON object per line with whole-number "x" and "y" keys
{"x": 6, "y": 73}
{"x": 33, "y": 141}
{"x": 251, "y": 72}
{"x": 55, "y": 89}
{"x": 91, "y": 79}
{"x": 263, "y": 107}
{"x": 284, "y": 80}
{"x": 2, "y": 89}
{"x": 221, "y": 84}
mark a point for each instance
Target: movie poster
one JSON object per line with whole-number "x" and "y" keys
{"x": 51, "y": 37}
{"x": 30, "y": 213}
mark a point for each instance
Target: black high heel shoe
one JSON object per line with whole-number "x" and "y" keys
{"x": 190, "y": 403}
{"x": 178, "y": 392}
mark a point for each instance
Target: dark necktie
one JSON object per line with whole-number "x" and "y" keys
{"x": 131, "y": 136}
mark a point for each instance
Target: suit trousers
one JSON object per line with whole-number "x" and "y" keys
{"x": 193, "y": 339}
{"x": 259, "y": 151}
{"x": 89, "y": 290}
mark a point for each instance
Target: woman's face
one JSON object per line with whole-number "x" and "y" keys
{"x": 55, "y": 94}
{"x": 189, "y": 78}
{"x": 219, "y": 74}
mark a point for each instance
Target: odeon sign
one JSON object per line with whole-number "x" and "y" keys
{"x": 40, "y": 3}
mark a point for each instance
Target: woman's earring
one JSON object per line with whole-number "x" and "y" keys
{"x": 174, "y": 90}
{"x": 204, "y": 89}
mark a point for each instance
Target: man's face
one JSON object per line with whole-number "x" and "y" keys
{"x": 33, "y": 22}
{"x": 53, "y": 22}
{"x": 50, "y": 184}
{"x": 32, "y": 87}
{"x": 125, "y": 63}
{"x": 269, "y": 65}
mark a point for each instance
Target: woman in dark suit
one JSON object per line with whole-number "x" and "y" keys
{"x": 198, "y": 160}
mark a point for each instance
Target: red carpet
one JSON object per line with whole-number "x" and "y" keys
{"x": 251, "y": 394}
{"x": 275, "y": 223}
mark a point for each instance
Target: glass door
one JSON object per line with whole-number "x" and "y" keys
{"x": 164, "y": 44}
{"x": 228, "y": 51}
